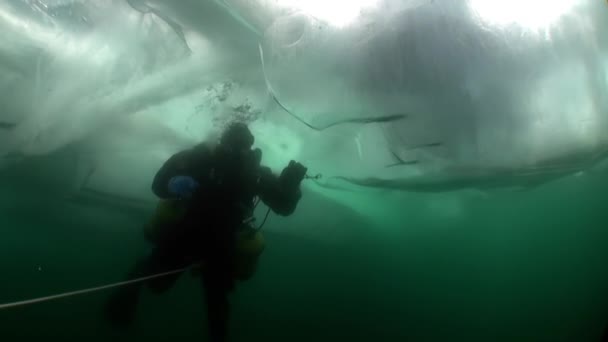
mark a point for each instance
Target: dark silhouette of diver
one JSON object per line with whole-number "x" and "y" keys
{"x": 217, "y": 187}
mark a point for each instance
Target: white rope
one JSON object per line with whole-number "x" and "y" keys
{"x": 83, "y": 291}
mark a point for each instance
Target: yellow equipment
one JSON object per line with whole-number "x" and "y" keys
{"x": 249, "y": 246}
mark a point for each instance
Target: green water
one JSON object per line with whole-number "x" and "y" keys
{"x": 516, "y": 266}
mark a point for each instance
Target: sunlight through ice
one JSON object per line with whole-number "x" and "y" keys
{"x": 536, "y": 15}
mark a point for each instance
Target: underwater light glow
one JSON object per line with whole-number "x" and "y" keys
{"x": 534, "y": 15}
{"x": 337, "y": 13}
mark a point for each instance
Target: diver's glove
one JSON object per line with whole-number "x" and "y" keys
{"x": 293, "y": 174}
{"x": 183, "y": 186}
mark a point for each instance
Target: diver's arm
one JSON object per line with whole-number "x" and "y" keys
{"x": 176, "y": 165}
{"x": 282, "y": 193}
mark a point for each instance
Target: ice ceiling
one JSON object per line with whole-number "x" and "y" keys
{"x": 487, "y": 89}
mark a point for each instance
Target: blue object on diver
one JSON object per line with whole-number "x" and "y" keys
{"x": 183, "y": 186}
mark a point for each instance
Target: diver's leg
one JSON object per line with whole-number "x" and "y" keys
{"x": 122, "y": 304}
{"x": 166, "y": 259}
{"x": 218, "y": 307}
{"x": 121, "y": 307}
{"x": 218, "y": 282}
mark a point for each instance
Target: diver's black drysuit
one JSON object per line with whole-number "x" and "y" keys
{"x": 226, "y": 197}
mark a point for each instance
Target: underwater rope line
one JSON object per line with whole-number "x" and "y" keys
{"x": 263, "y": 222}
{"x": 258, "y": 228}
{"x": 88, "y": 290}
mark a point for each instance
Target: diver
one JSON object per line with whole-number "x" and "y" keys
{"x": 216, "y": 187}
